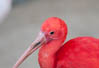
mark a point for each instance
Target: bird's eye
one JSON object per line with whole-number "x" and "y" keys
{"x": 52, "y": 32}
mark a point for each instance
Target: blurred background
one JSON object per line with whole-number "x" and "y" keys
{"x": 20, "y": 22}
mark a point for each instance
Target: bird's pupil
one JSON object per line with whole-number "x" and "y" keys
{"x": 51, "y": 32}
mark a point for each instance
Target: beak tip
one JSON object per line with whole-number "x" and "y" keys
{"x": 36, "y": 44}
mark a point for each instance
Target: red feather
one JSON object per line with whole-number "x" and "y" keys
{"x": 81, "y": 52}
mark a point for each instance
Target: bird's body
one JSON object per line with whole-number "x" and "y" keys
{"x": 80, "y": 52}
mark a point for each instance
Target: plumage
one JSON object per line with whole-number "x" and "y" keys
{"x": 81, "y": 52}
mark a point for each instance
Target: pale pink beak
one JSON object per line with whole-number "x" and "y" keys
{"x": 41, "y": 39}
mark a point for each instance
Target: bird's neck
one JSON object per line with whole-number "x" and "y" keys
{"x": 47, "y": 53}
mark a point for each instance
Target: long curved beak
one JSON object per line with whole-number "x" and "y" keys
{"x": 35, "y": 45}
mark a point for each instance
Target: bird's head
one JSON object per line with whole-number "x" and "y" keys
{"x": 52, "y": 29}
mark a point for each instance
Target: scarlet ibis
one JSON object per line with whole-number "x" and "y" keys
{"x": 80, "y": 52}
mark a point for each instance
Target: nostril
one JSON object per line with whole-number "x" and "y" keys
{"x": 36, "y": 44}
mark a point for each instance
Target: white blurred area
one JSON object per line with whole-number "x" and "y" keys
{"x": 5, "y": 7}
{"x": 23, "y": 22}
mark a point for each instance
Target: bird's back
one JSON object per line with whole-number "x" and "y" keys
{"x": 81, "y": 52}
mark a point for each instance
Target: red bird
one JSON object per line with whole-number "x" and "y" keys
{"x": 80, "y": 52}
